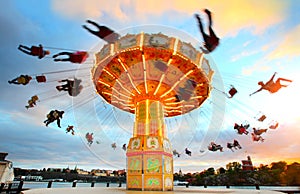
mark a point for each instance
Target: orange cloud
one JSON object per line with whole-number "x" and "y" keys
{"x": 257, "y": 15}
{"x": 229, "y": 17}
{"x": 258, "y": 67}
{"x": 289, "y": 45}
{"x": 91, "y": 9}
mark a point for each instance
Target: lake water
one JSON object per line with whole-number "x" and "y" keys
{"x": 35, "y": 185}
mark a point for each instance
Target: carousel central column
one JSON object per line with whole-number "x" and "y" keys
{"x": 149, "y": 152}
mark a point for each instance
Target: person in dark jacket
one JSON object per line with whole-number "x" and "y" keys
{"x": 211, "y": 41}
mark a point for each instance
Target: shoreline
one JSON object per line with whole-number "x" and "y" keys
{"x": 94, "y": 190}
{"x": 38, "y": 187}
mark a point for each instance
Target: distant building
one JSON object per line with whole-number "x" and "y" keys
{"x": 121, "y": 172}
{"x": 81, "y": 171}
{"x": 54, "y": 170}
{"x": 109, "y": 173}
{"x": 6, "y": 169}
{"x": 180, "y": 173}
{"x": 98, "y": 172}
{"x": 247, "y": 164}
{"x": 32, "y": 178}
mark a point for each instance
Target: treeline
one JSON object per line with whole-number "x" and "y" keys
{"x": 68, "y": 175}
{"x": 275, "y": 174}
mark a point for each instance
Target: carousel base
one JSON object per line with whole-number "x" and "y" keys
{"x": 97, "y": 190}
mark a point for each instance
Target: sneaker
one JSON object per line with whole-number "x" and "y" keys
{"x": 207, "y": 12}
{"x": 198, "y": 17}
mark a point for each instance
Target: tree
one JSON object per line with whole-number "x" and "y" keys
{"x": 263, "y": 167}
{"x": 281, "y": 166}
{"x": 233, "y": 166}
{"x": 221, "y": 170}
{"x": 278, "y": 172}
{"x": 210, "y": 171}
{"x": 292, "y": 174}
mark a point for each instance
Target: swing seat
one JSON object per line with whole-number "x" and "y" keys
{"x": 161, "y": 66}
{"x": 232, "y": 92}
{"x": 262, "y": 118}
{"x": 40, "y": 78}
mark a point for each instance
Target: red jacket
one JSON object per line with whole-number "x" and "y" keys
{"x": 79, "y": 57}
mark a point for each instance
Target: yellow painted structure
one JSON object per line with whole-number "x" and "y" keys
{"x": 149, "y": 153}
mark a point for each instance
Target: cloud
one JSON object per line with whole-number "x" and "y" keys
{"x": 262, "y": 63}
{"x": 229, "y": 17}
{"x": 243, "y": 54}
{"x": 279, "y": 143}
{"x": 258, "y": 16}
{"x": 258, "y": 67}
{"x": 92, "y": 8}
{"x": 288, "y": 47}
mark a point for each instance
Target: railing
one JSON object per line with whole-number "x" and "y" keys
{"x": 257, "y": 187}
{"x": 74, "y": 183}
{"x": 16, "y": 188}
{"x": 12, "y": 188}
{"x": 288, "y": 191}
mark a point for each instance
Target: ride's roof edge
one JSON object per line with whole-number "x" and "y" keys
{"x": 160, "y": 42}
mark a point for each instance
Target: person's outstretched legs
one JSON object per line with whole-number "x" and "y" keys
{"x": 62, "y": 87}
{"x": 58, "y": 123}
{"x": 25, "y": 49}
{"x": 201, "y": 27}
{"x": 283, "y": 79}
{"x": 48, "y": 122}
{"x": 209, "y": 17}
{"x": 90, "y": 30}
{"x": 272, "y": 76}
{"x": 93, "y": 23}
{"x": 65, "y": 87}
{"x": 62, "y": 53}
{"x": 59, "y": 88}
{"x": 14, "y": 81}
{"x": 66, "y": 59}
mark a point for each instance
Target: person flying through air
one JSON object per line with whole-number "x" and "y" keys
{"x": 103, "y": 32}
{"x": 32, "y": 101}
{"x": 90, "y": 139}
{"x": 274, "y": 125}
{"x": 211, "y": 41}
{"x": 76, "y": 57}
{"x": 188, "y": 152}
{"x": 70, "y": 128}
{"x": 235, "y": 145}
{"x": 22, "y": 79}
{"x": 175, "y": 153}
{"x": 214, "y": 147}
{"x": 259, "y": 131}
{"x": 34, "y": 51}
{"x": 124, "y": 147}
{"x": 257, "y": 137}
{"x": 52, "y": 116}
{"x": 72, "y": 86}
{"x": 271, "y": 86}
{"x": 114, "y": 145}
{"x": 241, "y": 129}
